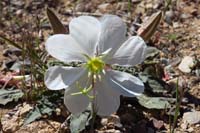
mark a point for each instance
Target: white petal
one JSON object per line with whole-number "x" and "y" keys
{"x": 85, "y": 30}
{"x": 124, "y": 83}
{"x": 64, "y": 48}
{"x": 132, "y": 52}
{"x": 77, "y": 103}
{"x": 107, "y": 100}
{"x": 58, "y": 77}
{"x": 113, "y": 31}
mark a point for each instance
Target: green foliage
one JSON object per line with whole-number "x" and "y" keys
{"x": 179, "y": 97}
{"x": 153, "y": 102}
{"x": 10, "y": 95}
{"x": 152, "y": 52}
{"x": 46, "y": 105}
{"x": 79, "y": 122}
{"x": 172, "y": 37}
{"x": 153, "y": 84}
{"x": 10, "y": 42}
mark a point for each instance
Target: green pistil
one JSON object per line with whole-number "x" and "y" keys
{"x": 95, "y": 65}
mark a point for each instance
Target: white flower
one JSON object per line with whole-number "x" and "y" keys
{"x": 103, "y": 42}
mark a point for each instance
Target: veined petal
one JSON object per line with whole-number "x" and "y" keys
{"x": 85, "y": 30}
{"x": 132, "y": 52}
{"x": 113, "y": 31}
{"x": 58, "y": 77}
{"x": 107, "y": 100}
{"x": 124, "y": 83}
{"x": 77, "y": 103}
{"x": 64, "y": 48}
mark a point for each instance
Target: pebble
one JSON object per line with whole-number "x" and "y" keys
{"x": 169, "y": 15}
{"x": 19, "y": 12}
{"x": 104, "y": 121}
{"x": 176, "y": 25}
{"x": 104, "y": 7}
{"x": 114, "y": 120}
{"x": 184, "y": 125}
{"x": 190, "y": 130}
{"x": 122, "y": 6}
{"x": 192, "y": 117}
{"x": 80, "y": 7}
{"x": 25, "y": 109}
{"x": 186, "y": 64}
{"x": 58, "y": 111}
{"x": 135, "y": 1}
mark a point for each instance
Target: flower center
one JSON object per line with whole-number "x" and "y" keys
{"x": 95, "y": 65}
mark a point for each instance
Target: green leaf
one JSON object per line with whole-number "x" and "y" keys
{"x": 153, "y": 84}
{"x": 38, "y": 112}
{"x": 10, "y": 42}
{"x": 33, "y": 115}
{"x": 44, "y": 106}
{"x": 156, "y": 85}
{"x": 7, "y": 96}
{"x": 153, "y": 102}
{"x": 79, "y": 122}
{"x": 172, "y": 37}
{"x": 58, "y": 27}
{"x": 152, "y": 52}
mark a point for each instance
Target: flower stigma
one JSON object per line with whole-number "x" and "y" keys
{"x": 95, "y": 65}
{"x": 83, "y": 91}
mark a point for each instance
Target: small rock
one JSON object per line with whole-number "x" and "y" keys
{"x": 80, "y": 7}
{"x": 176, "y": 25}
{"x": 186, "y": 64}
{"x": 197, "y": 125}
{"x": 117, "y": 131}
{"x": 197, "y": 72}
{"x": 184, "y": 125}
{"x": 122, "y": 6}
{"x": 158, "y": 124}
{"x": 190, "y": 130}
{"x": 18, "y": 3}
{"x": 25, "y": 109}
{"x": 135, "y": 1}
{"x": 192, "y": 117}
{"x": 104, "y": 7}
{"x": 129, "y": 105}
{"x": 169, "y": 16}
{"x": 19, "y": 12}
{"x": 104, "y": 121}
{"x": 184, "y": 16}
{"x": 114, "y": 120}
{"x": 149, "y": 6}
{"x": 58, "y": 111}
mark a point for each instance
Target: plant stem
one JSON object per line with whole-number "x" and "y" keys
{"x": 179, "y": 97}
{"x": 93, "y": 106}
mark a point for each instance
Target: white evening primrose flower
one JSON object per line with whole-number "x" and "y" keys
{"x": 97, "y": 44}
